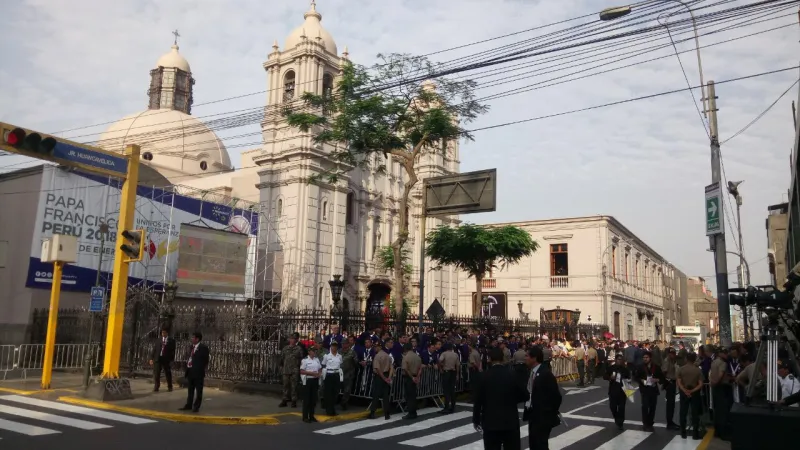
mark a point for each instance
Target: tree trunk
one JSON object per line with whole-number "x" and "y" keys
{"x": 402, "y": 238}
{"x": 478, "y": 296}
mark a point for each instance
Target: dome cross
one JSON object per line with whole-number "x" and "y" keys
{"x": 177, "y": 35}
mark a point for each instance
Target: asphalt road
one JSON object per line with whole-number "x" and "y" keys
{"x": 588, "y": 426}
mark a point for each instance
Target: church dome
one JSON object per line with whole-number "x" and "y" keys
{"x": 173, "y": 59}
{"x": 172, "y": 142}
{"x": 313, "y": 31}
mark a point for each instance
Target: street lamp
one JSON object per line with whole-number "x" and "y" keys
{"x": 337, "y": 285}
{"x": 620, "y": 11}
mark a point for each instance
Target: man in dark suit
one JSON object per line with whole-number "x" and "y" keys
{"x": 649, "y": 376}
{"x": 161, "y": 359}
{"x": 495, "y": 410}
{"x": 196, "y": 373}
{"x": 541, "y": 409}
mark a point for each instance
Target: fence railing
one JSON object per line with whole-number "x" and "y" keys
{"x": 31, "y": 357}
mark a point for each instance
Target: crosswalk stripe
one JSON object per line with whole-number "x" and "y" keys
{"x": 627, "y": 440}
{"x": 446, "y": 435}
{"x": 22, "y": 428}
{"x": 478, "y": 445}
{"x": 76, "y": 409}
{"x": 362, "y": 424}
{"x": 52, "y": 418}
{"x": 572, "y": 436}
{"x": 679, "y": 443}
{"x": 417, "y": 426}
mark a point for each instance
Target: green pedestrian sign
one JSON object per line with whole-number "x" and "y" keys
{"x": 713, "y": 210}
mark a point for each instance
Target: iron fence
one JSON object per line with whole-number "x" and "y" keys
{"x": 245, "y": 341}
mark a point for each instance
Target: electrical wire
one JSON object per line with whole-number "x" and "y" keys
{"x": 762, "y": 114}
{"x": 501, "y": 125}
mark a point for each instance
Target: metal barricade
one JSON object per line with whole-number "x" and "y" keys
{"x": 8, "y": 359}
{"x": 65, "y": 356}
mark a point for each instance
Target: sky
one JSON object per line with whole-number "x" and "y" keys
{"x": 69, "y": 65}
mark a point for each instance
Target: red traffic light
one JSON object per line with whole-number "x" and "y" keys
{"x": 15, "y": 137}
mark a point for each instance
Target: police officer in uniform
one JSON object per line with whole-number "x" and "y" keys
{"x": 690, "y": 381}
{"x": 591, "y": 363}
{"x": 332, "y": 362}
{"x": 310, "y": 371}
{"x": 449, "y": 363}
{"x": 411, "y": 367}
{"x": 789, "y": 384}
{"x": 669, "y": 367}
{"x": 382, "y": 381}
{"x": 290, "y": 358}
{"x": 475, "y": 366}
{"x": 580, "y": 361}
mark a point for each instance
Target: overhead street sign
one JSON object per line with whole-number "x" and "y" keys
{"x": 97, "y": 299}
{"x": 713, "y": 208}
{"x": 463, "y": 193}
{"x": 37, "y": 145}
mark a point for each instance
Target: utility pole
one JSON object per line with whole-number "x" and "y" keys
{"x": 733, "y": 189}
{"x": 718, "y": 240}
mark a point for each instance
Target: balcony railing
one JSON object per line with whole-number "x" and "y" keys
{"x": 559, "y": 281}
{"x": 489, "y": 283}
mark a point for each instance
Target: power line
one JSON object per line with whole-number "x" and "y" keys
{"x": 762, "y": 114}
{"x": 574, "y": 111}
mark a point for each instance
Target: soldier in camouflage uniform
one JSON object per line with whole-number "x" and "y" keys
{"x": 291, "y": 355}
{"x": 349, "y": 364}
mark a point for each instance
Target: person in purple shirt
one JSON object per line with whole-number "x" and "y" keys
{"x": 365, "y": 352}
{"x": 430, "y": 357}
{"x": 334, "y": 335}
{"x": 397, "y": 350}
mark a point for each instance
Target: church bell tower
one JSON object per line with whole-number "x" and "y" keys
{"x": 306, "y": 222}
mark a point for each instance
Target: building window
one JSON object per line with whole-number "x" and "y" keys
{"x": 627, "y": 265}
{"x": 203, "y": 165}
{"x": 327, "y": 85}
{"x": 636, "y": 272}
{"x": 288, "y": 86}
{"x": 147, "y": 156}
{"x": 559, "y": 266}
{"x": 325, "y": 210}
{"x": 280, "y": 207}
{"x": 614, "y": 261}
{"x": 319, "y": 296}
{"x": 350, "y": 209}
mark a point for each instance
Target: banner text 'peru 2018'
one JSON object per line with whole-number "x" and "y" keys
{"x": 77, "y": 204}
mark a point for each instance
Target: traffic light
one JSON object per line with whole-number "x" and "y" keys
{"x": 31, "y": 142}
{"x": 133, "y": 248}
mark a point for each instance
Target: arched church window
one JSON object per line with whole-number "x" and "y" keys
{"x": 288, "y": 86}
{"x": 280, "y": 207}
{"x": 203, "y": 165}
{"x": 147, "y": 156}
{"x": 350, "y": 209}
{"x": 325, "y": 210}
{"x": 327, "y": 85}
{"x": 319, "y": 297}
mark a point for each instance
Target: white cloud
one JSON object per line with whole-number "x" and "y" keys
{"x": 87, "y": 61}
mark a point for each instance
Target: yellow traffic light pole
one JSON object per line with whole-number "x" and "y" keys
{"x": 119, "y": 285}
{"x": 52, "y": 321}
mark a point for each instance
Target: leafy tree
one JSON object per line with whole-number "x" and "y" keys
{"x": 477, "y": 249}
{"x": 391, "y": 109}
{"x": 385, "y": 256}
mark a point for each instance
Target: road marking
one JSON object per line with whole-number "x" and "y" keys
{"x": 581, "y": 390}
{"x": 22, "y": 428}
{"x": 607, "y": 420}
{"x": 76, "y": 409}
{"x": 418, "y": 426}
{"x": 679, "y": 443}
{"x": 572, "y": 436}
{"x": 437, "y": 438}
{"x": 52, "y": 418}
{"x": 586, "y": 406}
{"x": 627, "y": 440}
{"x": 478, "y": 445}
{"x": 361, "y": 424}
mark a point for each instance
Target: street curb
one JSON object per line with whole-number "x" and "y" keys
{"x": 17, "y": 391}
{"x": 706, "y": 439}
{"x": 340, "y": 417}
{"x": 269, "y": 419}
{"x": 36, "y": 392}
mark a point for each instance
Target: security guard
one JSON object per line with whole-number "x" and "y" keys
{"x": 411, "y": 367}
{"x": 382, "y": 380}
{"x": 332, "y": 376}
{"x": 518, "y": 363}
{"x": 591, "y": 363}
{"x": 290, "y": 358}
{"x": 690, "y": 381}
{"x": 475, "y": 366}
{"x": 580, "y": 361}
{"x": 789, "y": 384}
{"x": 669, "y": 367}
{"x": 448, "y": 363}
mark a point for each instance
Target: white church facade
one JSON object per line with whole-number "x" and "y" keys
{"x": 308, "y": 232}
